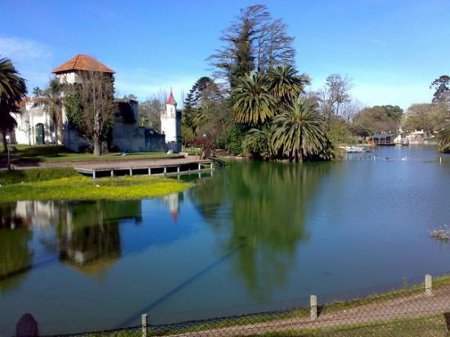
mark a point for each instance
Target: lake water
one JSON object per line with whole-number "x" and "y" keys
{"x": 253, "y": 237}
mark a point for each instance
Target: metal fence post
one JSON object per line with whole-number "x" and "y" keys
{"x": 428, "y": 284}
{"x": 313, "y": 303}
{"x": 144, "y": 323}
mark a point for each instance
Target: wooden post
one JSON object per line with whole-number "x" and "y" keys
{"x": 428, "y": 284}
{"x": 313, "y": 303}
{"x": 131, "y": 171}
{"x": 165, "y": 170}
{"x": 178, "y": 168}
{"x": 93, "y": 174}
{"x": 199, "y": 166}
{"x": 149, "y": 171}
{"x": 112, "y": 173}
{"x": 144, "y": 323}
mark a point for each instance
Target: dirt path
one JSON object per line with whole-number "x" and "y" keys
{"x": 415, "y": 305}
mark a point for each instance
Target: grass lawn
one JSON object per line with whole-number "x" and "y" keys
{"x": 67, "y": 184}
{"x": 58, "y": 153}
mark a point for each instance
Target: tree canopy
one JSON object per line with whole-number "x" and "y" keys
{"x": 254, "y": 42}
{"x": 376, "y": 119}
{"x": 441, "y": 85}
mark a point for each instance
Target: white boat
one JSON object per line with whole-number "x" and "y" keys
{"x": 353, "y": 149}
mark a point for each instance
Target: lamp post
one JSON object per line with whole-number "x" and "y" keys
{"x": 7, "y": 150}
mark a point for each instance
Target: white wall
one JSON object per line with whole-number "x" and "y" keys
{"x": 33, "y": 114}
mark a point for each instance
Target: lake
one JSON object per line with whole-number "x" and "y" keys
{"x": 252, "y": 237}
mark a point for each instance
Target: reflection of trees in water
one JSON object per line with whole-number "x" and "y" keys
{"x": 267, "y": 204}
{"x": 91, "y": 240}
{"x": 15, "y": 254}
{"x": 87, "y": 234}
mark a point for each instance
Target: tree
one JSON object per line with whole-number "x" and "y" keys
{"x": 253, "y": 103}
{"x": 254, "y": 41}
{"x": 199, "y": 103}
{"x": 421, "y": 117}
{"x": 12, "y": 91}
{"x": 335, "y": 95}
{"x": 376, "y": 119}
{"x": 258, "y": 143}
{"x": 38, "y": 92}
{"x": 285, "y": 84}
{"x": 93, "y": 99}
{"x": 441, "y": 86}
{"x": 150, "y": 113}
{"x": 299, "y": 131}
{"x": 444, "y": 137}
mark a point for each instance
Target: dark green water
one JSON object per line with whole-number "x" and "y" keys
{"x": 254, "y": 237}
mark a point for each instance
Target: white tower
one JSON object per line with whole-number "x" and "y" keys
{"x": 171, "y": 124}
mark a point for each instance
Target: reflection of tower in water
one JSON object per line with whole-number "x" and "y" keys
{"x": 173, "y": 202}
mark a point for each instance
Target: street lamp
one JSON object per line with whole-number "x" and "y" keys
{"x": 7, "y": 150}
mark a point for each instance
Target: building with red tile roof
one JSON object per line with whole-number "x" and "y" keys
{"x": 82, "y": 62}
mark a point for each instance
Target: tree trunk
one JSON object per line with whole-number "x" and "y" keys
{"x": 97, "y": 146}
{"x": 5, "y": 142}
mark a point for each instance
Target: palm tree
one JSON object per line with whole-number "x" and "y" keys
{"x": 285, "y": 84}
{"x": 299, "y": 132}
{"x": 259, "y": 142}
{"x": 252, "y": 102}
{"x": 12, "y": 91}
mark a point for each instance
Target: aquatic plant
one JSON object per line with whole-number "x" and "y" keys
{"x": 442, "y": 233}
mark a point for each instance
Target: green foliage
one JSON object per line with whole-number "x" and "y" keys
{"x": 233, "y": 139}
{"x": 444, "y": 138}
{"x": 253, "y": 42}
{"x": 258, "y": 143}
{"x": 253, "y": 103}
{"x": 339, "y": 132}
{"x": 441, "y": 85}
{"x": 299, "y": 132}
{"x": 12, "y": 90}
{"x": 205, "y": 111}
{"x": 83, "y": 188}
{"x": 427, "y": 117}
{"x": 72, "y": 103}
{"x": 285, "y": 84}
{"x": 384, "y": 118}
{"x": 35, "y": 175}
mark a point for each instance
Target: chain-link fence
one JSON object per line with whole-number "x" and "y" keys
{"x": 414, "y": 311}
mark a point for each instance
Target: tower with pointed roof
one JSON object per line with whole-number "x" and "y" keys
{"x": 171, "y": 124}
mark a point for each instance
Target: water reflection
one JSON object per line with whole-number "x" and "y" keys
{"x": 15, "y": 255}
{"x": 83, "y": 234}
{"x": 262, "y": 207}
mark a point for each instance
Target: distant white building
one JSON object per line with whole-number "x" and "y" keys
{"x": 34, "y": 125}
{"x": 171, "y": 124}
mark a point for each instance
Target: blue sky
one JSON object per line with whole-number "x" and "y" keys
{"x": 392, "y": 49}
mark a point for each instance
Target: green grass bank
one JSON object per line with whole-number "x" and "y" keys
{"x": 67, "y": 184}
{"x": 58, "y": 153}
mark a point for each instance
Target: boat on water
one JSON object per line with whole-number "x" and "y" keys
{"x": 353, "y": 149}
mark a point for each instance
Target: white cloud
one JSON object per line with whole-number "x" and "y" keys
{"x": 20, "y": 49}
